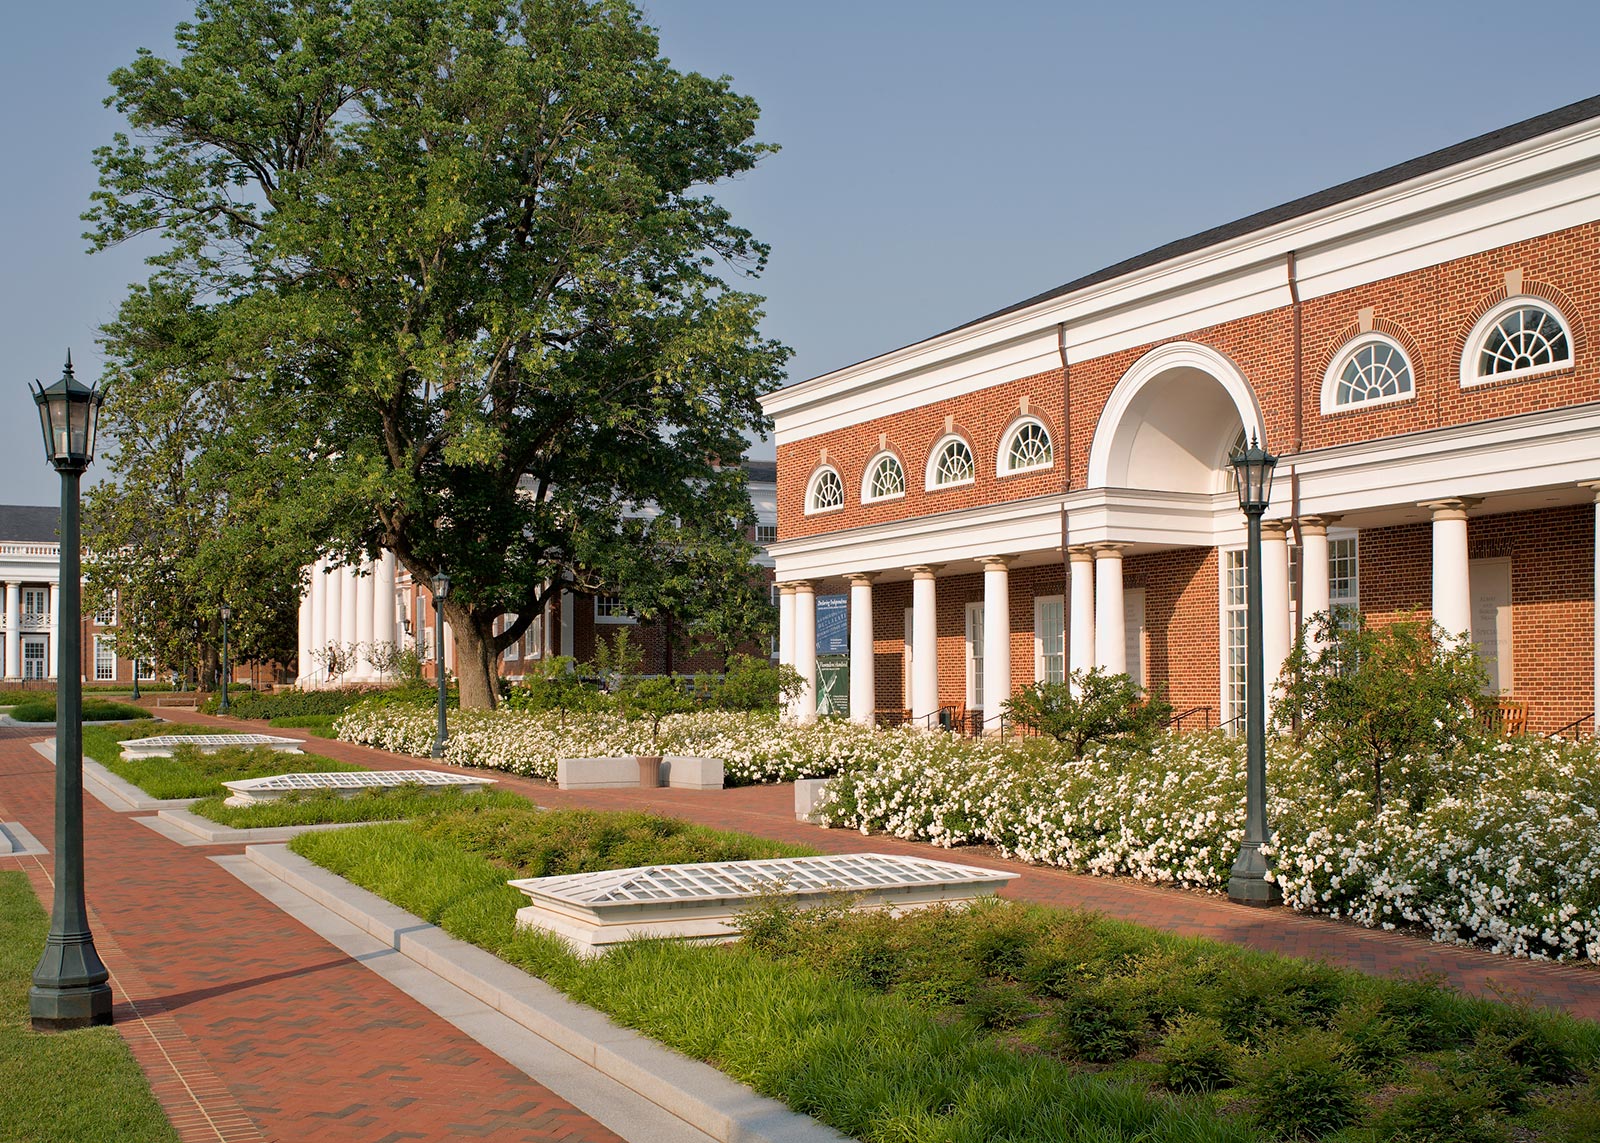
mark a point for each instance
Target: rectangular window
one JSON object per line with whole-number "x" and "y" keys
{"x": 1344, "y": 580}
{"x": 513, "y": 652}
{"x": 766, "y": 533}
{"x": 1049, "y": 640}
{"x": 1234, "y": 607}
{"x": 34, "y": 659}
{"x": 35, "y": 602}
{"x": 421, "y": 628}
{"x": 975, "y": 656}
{"x": 108, "y": 617}
{"x": 147, "y": 670}
{"x": 105, "y": 659}
{"x": 608, "y": 608}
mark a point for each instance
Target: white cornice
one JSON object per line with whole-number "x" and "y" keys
{"x": 1541, "y": 185}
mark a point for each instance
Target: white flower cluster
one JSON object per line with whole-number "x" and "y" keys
{"x": 1505, "y": 854}
{"x": 753, "y": 748}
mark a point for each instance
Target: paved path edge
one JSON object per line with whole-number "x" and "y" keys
{"x": 695, "y": 1092}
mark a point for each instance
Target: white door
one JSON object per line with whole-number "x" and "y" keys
{"x": 1133, "y": 621}
{"x": 1049, "y": 640}
{"x": 1490, "y": 584}
{"x": 975, "y": 656}
{"x": 34, "y": 657}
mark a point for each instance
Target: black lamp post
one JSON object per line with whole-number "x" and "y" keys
{"x": 128, "y": 611}
{"x": 70, "y": 988}
{"x": 1248, "y": 883}
{"x": 227, "y": 614}
{"x": 441, "y": 589}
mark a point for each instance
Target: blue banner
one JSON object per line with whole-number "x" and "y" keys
{"x": 833, "y": 624}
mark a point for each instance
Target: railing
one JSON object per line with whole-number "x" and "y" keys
{"x": 14, "y": 549}
{"x": 1234, "y": 725}
{"x": 1201, "y": 714}
{"x": 36, "y": 621}
{"x": 1574, "y": 729}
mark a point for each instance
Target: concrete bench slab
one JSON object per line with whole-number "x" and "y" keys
{"x": 807, "y": 793}
{"x": 680, "y": 771}
{"x": 163, "y": 745}
{"x": 701, "y": 902}
{"x": 253, "y": 791}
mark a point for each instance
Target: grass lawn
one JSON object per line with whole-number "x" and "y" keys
{"x": 189, "y": 773}
{"x": 367, "y": 806}
{"x": 1004, "y": 1022}
{"x": 63, "y": 1087}
{"x": 43, "y": 709}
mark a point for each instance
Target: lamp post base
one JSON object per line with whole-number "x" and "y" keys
{"x": 63, "y": 1009}
{"x": 1248, "y": 884}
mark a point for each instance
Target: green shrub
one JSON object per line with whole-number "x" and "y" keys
{"x": 1569, "y": 1114}
{"x": 94, "y": 710}
{"x": 750, "y": 684}
{"x": 1266, "y": 995}
{"x": 1299, "y": 1087}
{"x": 554, "y": 684}
{"x": 287, "y": 704}
{"x": 1528, "y": 1040}
{"x": 1093, "y": 707}
{"x": 1000, "y": 1006}
{"x": 1424, "y": 1012}
{"x": 1375, "y": 1043}
{"x": 1440, "y": 1111}
{"x": 1195, "y": 1056}
{"x": 1100, "y": 1024}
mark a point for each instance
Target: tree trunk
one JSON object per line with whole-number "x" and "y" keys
{"x": 475, "y": 659}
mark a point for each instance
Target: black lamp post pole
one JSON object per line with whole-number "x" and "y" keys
{"x": 441, "y": 587}
{"x": 70, "y": 988}
{"x": 222, "y": 707}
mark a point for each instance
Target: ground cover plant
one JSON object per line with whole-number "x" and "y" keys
{"x": 332, "y": 701}
{"x": 190, "y": 773}
{"x": 43, "y": 709}
{"x": 1007, "y": 1021}
{"x": 43, "y": 1094}
{"x": 318, "y": 724}
{"x": 324, "y": 807}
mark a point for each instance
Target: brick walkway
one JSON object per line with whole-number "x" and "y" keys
{"x": 768, "y": 811}
{"x": 252, "y": 1027}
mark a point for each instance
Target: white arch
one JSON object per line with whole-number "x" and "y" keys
{"x": 1159, "y": 361}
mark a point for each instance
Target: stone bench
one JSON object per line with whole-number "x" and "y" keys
{"x": 680, "y": 771}
{"x": 163, "y": 745}
{"x": 807, "y": 793}
{"x": 349, "y": 783}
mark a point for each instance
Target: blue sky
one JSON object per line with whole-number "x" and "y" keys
{"x": 939, "y": 160}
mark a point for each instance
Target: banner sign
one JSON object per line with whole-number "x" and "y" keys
{"x": 833, "y": 624}
{"x": 833, "y": 686}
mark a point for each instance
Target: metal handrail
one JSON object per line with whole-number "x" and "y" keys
{"x": 1576, "y": 727}
{"x": 1175, "y": 723}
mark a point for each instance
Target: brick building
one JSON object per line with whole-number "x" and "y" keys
{"x": 1047, "y": 487}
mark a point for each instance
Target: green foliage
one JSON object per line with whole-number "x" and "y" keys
{"x": 1382, "y": 705}
{"x": 750, "y": 684}
{"x": 1570, "y": 1114}
{"x": 414, "y": 259}
{"x": 290, "y": 703}
{"x": 191, "y": 773}
{"x": 322, "y": 807}
{"x": 1441, "y": 1111}
{"x": 318, "y": 724}
{"x": 61, "y": 1088}
{"x": 1196, "y": 1056}
{"x": 554, "y": 684}
{"x": 1101, "y": 1024}
{"x": 1300, "y": 1088}
{"x": 94, "y": 710}
{"x": 1094, "y": 707}
{"x": 654, "y": 698}
{"x": 616, "y": 658}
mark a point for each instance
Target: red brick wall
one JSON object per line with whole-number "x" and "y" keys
{"x": 1181, "y": 619}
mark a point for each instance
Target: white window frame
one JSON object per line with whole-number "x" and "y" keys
{"x": 608, "y": 609}
{"x": 1002, "y": 460}
{"x": 145, "y": 668}
{"x": 872, "y": 467}
{"x": 1470, "y": 377}
{"x": 36, "y": 601}
{"x": 1231, "y": 707}
{"x": 974, "y": 655}
{"x": 29, "y": 642}
{"x": 766, "y": 534}
{"x": 1041, "y": 637}
{"x": 105, "y": 647}
{"x": 1330, "y": 379}
{"x": 939, "y": 447}
{"x": 513, "y": 652}
{"x": 107, "y": 618}
{"x": 817, "y": 477}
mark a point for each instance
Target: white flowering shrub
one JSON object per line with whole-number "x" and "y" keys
{"x": 753, "y": 748}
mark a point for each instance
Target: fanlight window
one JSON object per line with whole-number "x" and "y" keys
{"x": 885, "y": 479}
{"x": 1375, "y": 370}
{"x": 1523, "y": 338}
{"x": 952, "y": 463}
{"x": 827, "y": 492}
{"x": 1029, "y": 447}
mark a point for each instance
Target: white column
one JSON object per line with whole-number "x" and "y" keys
{"x": 1110, "y": 623}
{"x": 786, "y": 624}
{"x": 547, "y": 632}
{"x": 318, "y": 638}
{"x": 863, "y": 660}
{"x": 1594, "y": 487}
{"x": 13, "y": 629}
{"x": 1452, "y": 598}
{"x": 805, "y": 650}
{"x": 383, "y": 593}
{"x": 348, "y": 606}
{"x": 1315, "y": 594}
{"x": 569, "y": 620}
{"x": 55, "y": 632}
{"x": 924, "y": 645}
{"x": 365, "y": 583}
{"x": 1274, "y": 601}
{"x": 302, "y": 636}
{"x": 1080, "y": 564}
{"x": 996, "y": 639}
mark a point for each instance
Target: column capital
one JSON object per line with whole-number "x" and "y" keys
{"x": 996, "y": 562}
{"x": 1081, "y": 553}
{"x": 1592, "y": 487}
{"x": 925, "y": 571}
{"x": 786, "y": 588}
{"x": 858, "y": 579}
{"x": 1454, "y": 508}
{"x": 1272, "y": 530}
{"x": 1317, "y": 525}
{"x": 804, "y": 586}
{"x": 1109, "y": 551}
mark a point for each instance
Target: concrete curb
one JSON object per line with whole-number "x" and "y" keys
{"x": 113, "y": 792}
{"x": 16, "y": 841}
{"x": 695, "y": 1092}
{"x": 191, "y": 829}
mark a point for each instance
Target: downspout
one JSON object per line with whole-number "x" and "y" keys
{"x": 1298, "y": 443}
{"x": 1066, "y": 486}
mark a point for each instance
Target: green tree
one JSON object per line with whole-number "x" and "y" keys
{"x": 1094, "y": 707}
{"x": 451, "y": 266}
{"x": 1382, "y": 704}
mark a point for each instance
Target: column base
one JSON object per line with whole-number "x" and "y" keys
{"x": 1248, "y": 884}
{"x": 64, "y": 1009}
